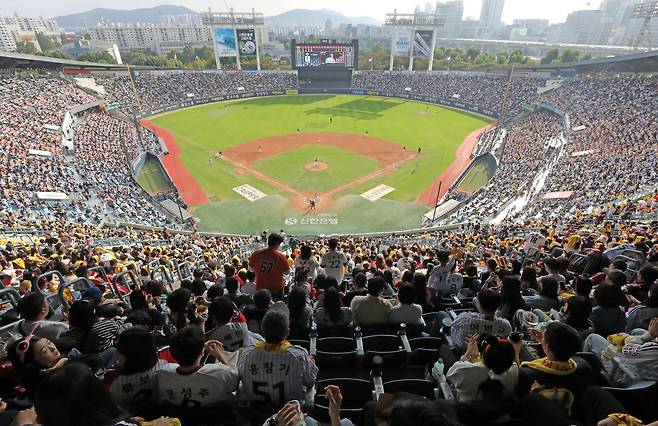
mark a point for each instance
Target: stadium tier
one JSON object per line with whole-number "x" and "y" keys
{"x": 526, "y": 294}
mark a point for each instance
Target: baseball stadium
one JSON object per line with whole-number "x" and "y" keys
{"x": 199, "y": 241}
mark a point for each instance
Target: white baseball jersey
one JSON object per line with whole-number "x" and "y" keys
{"x": 276, "y": 376}
{"x": 210, "y": 384}
{"x": 438, "y": 277}
{"x": 333, "y": 263}
{"x": 234, "y": 336}
{"x": 310, "y": 265}
{"x": 134, "y": 390}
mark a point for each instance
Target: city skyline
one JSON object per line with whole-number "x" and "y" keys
{"x": 555, "y": 10}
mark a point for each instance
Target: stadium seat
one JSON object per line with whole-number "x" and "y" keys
{"x": 639, "y": 399}
{"x": 419, "y": 387}
{"x": 424, "y": 350}
{"x": 389, "y": 347}
{"x": 336, "y": 352}
{"x": 303, "y": 343}
{"x": 356, "y": 393}
{"x": 596, "y": 366}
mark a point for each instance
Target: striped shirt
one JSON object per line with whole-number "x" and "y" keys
{"x": 274, "y": 377}
{"x": 102, "y": 335}
{"x": 476, "y": 323}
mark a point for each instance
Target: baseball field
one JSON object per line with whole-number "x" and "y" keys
{"x": 314, "y": 164}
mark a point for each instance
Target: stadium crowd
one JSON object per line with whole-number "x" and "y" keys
{"x": 531, "y": 144}
{"x": 226, "y": 339}
{"x": 34, "y": 101}
{"x": 483, "y": 90}
{"x": 157, "y": 90}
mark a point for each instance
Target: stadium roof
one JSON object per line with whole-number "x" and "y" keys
{"x": 634, "y": 62}
{"x": 21, "y": 60}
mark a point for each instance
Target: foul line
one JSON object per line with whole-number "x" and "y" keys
{"x": 347, "y": 185}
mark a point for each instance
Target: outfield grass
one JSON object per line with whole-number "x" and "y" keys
{"x": 202, "y": 131}
{"x": 152, "y": 179}
{"x": 288, "y": 167}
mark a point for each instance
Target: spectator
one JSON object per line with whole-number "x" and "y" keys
{"x": 300, "y": 312}
{"x": 547, "y": 297}
{"x": 608, "y": 316}
{"x": 230, "y": 326}
{"x": 481, "y": 322}
{"x": 359, "y": 283}
{"x": 274, "y": 371}
{"x": 270, "y": 266}
{"x": 641, "y": 315}
{"x": 406, "y": 311}
{"x": 371, "y": 309}
{"x": 333, "y": 313}
{"x": 34, "y": 308}
{"x": 191, "y": 384}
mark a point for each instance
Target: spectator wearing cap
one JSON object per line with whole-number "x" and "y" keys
{"x": 270, "y": 265}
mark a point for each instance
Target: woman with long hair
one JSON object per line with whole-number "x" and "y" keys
{"x": 529, "y": 284}
{"x": 511, "y": 299}
{"x": 333, "y": 313}
{"x": 300, "y": 312}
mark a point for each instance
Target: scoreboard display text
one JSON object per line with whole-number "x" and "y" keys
{"x": 324, "y": 54}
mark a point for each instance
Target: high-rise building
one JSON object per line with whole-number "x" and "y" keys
{"x": 534, "y": 26}
{"x": 429, "y": 8}
{"x": 18, "y": 28}
{"x": 159, "y": 38}
{"x": 452, "y": 13}
{"x": 328, "y": 30}
{"x": 583, "y": 27}
{"x": 491, "y": 15}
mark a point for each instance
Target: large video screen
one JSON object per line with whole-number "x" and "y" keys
{"x": 325, "y": 53}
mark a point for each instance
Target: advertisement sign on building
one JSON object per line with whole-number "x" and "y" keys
{"x": 225, "y": 42}
{"x": 402, "y": 42}
{"x": 247, "y": 42}
{"x": 423, "y": 43}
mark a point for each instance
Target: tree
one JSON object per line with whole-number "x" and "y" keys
{"x": 472, "y": 53}
{"x": 54, "y": 54}
{"x": 502, "y": 57}
{"x": 100, "y": 57}
{"x": 517, "y": 57}
{"x": 46, "y": 43}
{"x": 550, "y": 57}
{"x": 586, "y": 57}
{"x": 569, "y": 55}
{"x": 26, "y": 47}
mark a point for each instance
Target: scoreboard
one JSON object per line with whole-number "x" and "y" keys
{"x": 324, "y": 54}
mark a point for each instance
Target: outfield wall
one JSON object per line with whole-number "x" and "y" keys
{"x": 464, "y": 106}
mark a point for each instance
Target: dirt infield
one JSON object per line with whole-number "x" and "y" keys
{"x": 450, "y": 175}
{"x": 387, "y": 154}
{"x": 187, "y": 186}
{"x": 316, "y": 166}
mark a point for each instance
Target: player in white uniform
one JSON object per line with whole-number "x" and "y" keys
{"x": 334, "y": 261}
{"x": 274, "y": 372}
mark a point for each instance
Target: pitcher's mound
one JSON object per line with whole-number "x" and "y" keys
{"x": 316, "y": 166}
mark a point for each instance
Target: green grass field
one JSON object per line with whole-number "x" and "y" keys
{"x": 344, "y": 166}
{"x": 152, "y": 179}
{"x": 476, "y": 178}
{"x": 204, "y": 130}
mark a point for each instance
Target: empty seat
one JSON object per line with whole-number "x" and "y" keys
{"x": 424, "y": 350}
{"x": 388, "y": 346}
{"x": 336, "y": 352}
{"x": 419, "y": 387}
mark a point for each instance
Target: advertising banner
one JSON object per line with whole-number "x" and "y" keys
{"x": 402, "y": 42}
{"x": 225, "y": 42}
{"x": 246, "y": 42}
{"x": 423, "y": 43}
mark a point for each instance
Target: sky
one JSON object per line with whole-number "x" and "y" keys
{"x": 553, "y": 10}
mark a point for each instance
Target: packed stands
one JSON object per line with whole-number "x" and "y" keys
{"x": 489, "y": 91}
{"x": 157, "y": 90}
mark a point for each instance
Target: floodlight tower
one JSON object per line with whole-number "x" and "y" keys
{"x": 645, "y": 10}
{"x": 237, "y": 21}
{"x": 413, "y": 24}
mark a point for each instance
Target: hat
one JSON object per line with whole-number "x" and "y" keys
{"x": 93, "y": 293}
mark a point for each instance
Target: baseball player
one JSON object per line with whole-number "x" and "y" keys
{"x": 334, "y": 261}
{"x": 275, "y": 371}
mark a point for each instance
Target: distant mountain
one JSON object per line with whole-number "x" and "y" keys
{"x": 92, "y": 17}
{"x": 306, "y": 17}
